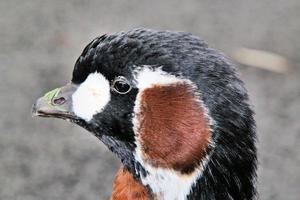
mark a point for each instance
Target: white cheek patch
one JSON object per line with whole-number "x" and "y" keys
{"x": 91, "y": 96}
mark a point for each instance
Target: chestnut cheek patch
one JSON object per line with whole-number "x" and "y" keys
{"x": 173, "y": 129}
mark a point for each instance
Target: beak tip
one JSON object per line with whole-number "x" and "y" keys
{"x": 34, "y": 111}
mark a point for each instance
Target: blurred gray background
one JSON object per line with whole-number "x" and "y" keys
{"x": 40, "y": 41}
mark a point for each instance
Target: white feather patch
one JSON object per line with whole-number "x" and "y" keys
{"x": 146, "y": 77}
{"x": 91, "y": 96}
{"x": 168, "y": 183}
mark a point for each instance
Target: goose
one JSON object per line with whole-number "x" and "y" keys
{"x": 172, "y": 109}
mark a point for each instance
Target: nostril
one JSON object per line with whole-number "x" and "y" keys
{"x": 59, "y": 101}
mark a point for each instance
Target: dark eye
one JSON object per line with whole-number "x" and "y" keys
{"x": 121, "y": 85}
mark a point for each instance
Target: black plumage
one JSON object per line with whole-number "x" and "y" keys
{"x": 230, "y": 172}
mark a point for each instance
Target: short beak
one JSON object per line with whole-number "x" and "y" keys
{"x": 57, "y": 103}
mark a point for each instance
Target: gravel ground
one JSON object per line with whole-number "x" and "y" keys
{"x": 40, "y": 41}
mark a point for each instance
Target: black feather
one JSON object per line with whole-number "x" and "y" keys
{"x": 231, "y": 170}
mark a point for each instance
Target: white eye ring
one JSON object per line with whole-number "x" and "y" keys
{"x": 121, "y": 85}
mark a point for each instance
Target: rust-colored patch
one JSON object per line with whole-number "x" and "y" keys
{"x": 125, "y": 187}
{"x": 174, "y": 132}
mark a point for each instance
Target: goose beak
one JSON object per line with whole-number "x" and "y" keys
{"x": 57, "y": 103}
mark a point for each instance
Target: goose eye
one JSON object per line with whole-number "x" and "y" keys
{"x": 121, "y": 85}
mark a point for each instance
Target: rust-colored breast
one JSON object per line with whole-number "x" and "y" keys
{"x": 125, "y": 187}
